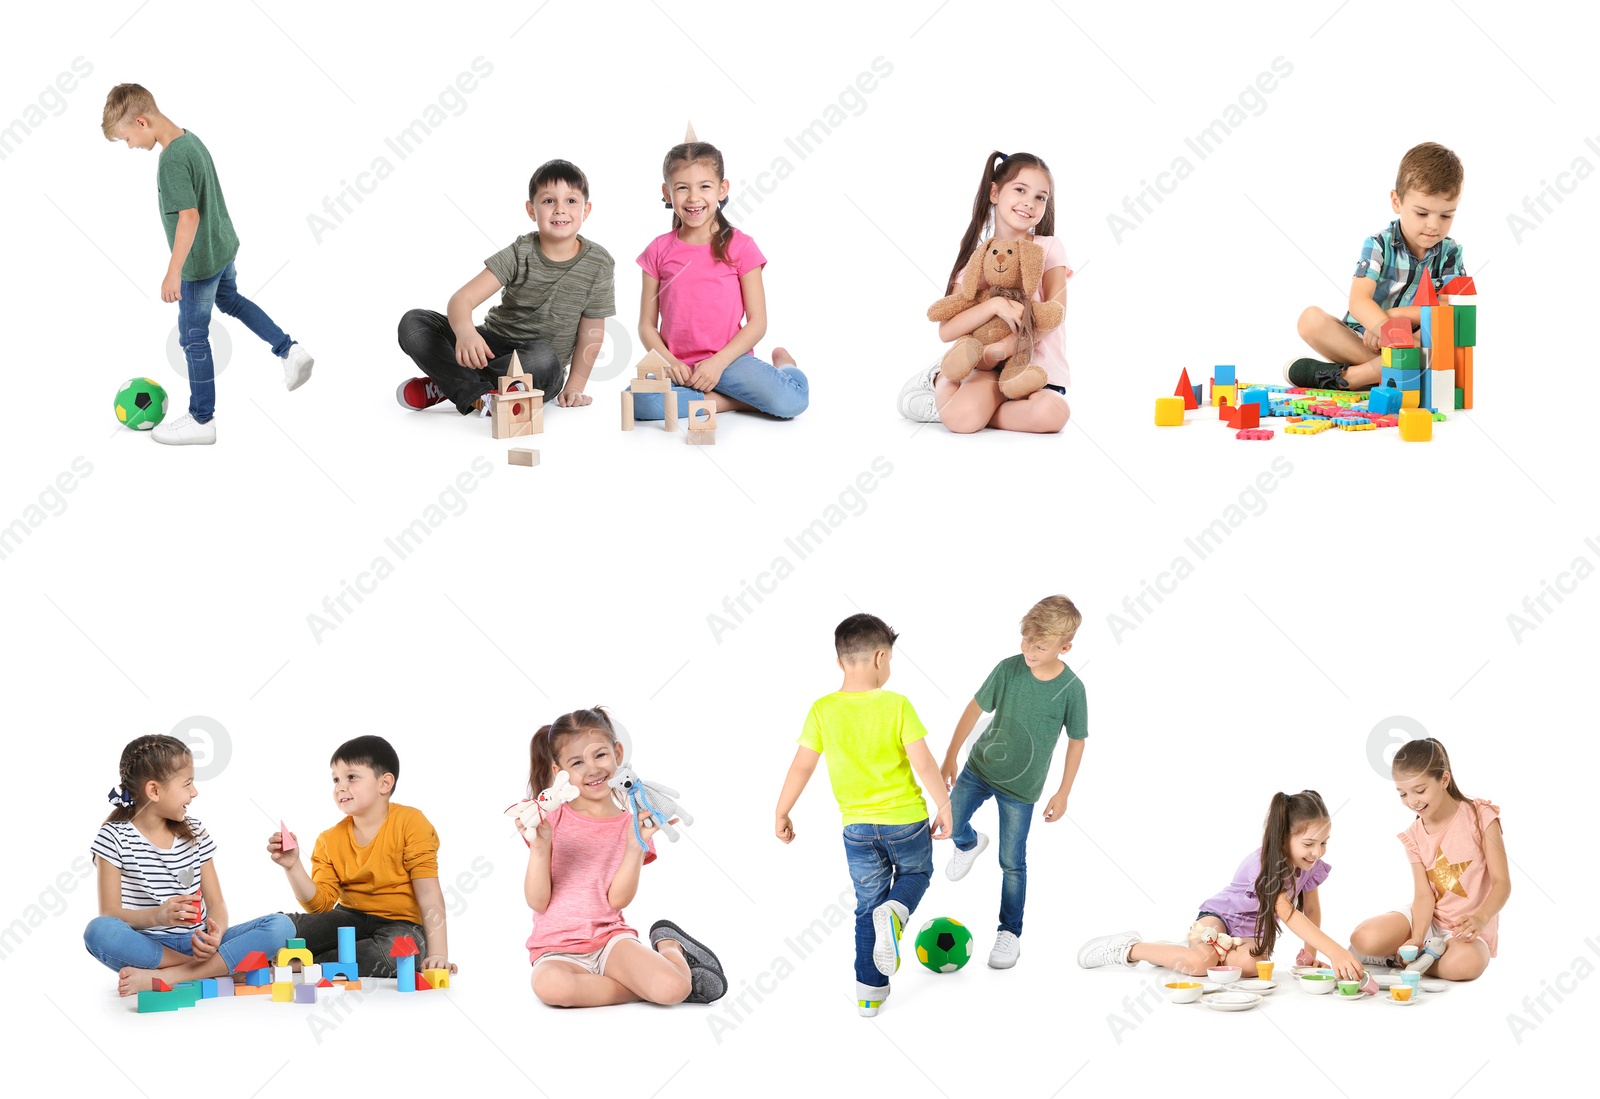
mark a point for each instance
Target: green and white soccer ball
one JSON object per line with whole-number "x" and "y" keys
{"x": 944, "y": 945}
{"x": 141, "y": 403}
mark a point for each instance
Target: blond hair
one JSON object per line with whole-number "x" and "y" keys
{"x": 1052, "y": 616}
{"x": 124, "y": 103}
{"x": 1431, "y": 169}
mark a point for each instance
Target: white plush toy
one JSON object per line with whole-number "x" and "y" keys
{"x": 1220, "y": 941}
{"x": 532, "y": 811}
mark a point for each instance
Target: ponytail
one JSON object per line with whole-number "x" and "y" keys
{"x": 543, "y": 761}
{"x": 1428, "y": 757}
{"x": 695, "y": 152}
{"x": 1287, "y": 816}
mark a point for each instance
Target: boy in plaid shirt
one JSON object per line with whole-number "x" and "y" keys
{"x": 1426, "y": 194}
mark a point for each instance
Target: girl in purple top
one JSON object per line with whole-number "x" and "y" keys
{"x": 1276, "y": 884}
{"x": 704, "y": 308}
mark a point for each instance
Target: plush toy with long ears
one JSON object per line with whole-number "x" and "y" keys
{"x": 1009, "y": 269}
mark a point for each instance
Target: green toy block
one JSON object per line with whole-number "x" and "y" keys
{"x": 296, "y": 944}
{"x": 1437, "y": 416}
{"x": 182, "y": 996}
{"x": 1406, "y": 358}
{"x": 1466, "y": 325}
{"x": 1461, "y": 398}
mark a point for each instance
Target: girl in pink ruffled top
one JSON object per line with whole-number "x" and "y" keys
{"x": 1459, "y": 870}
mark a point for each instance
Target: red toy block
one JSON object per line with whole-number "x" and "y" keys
{"x": 1255, "y": 433}
{"x": 253, "y": 960}
{"x": 1461, "y": 284}
{"x": 404, "y": 946}
{"x": 158, "y": 985}
{"x": 1244, "y": 417}
{"x": 1186, "y": 391}
{"x": 1425, "y": 292}
{"x": 1396, "y": 332}
{"x": 324, "y": 983}
{"x": 288, "y": 837}
{"x": 422, "y": 983}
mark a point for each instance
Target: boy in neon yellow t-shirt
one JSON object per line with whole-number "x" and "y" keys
{"x": 876, "y": 751}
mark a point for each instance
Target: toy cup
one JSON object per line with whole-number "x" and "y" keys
{"x": 1408, "y": 954}
{"x": 1223, "y": 974}
{"x": 1412, "y": 981}
{"x": 1401, "y": 992}
{"x": 1264, "y": 970}
{"x": 1349, "y": 988}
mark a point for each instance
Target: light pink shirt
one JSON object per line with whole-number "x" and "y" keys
{"x": 1049, "y": 348}
{"x": 702, "y": 303}
{"x": 1456, "y": 867}
{"x": 584, "y": 856}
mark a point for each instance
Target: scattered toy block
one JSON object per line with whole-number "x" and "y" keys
{"x": 438, "y": 978}
{"x": 1308, "y": 427}
{"x": 1186, "y": 391}
{"x": 1222, "y": 375}
{"x": 1243, "y": 417}
{"x": 522, "y": 456}
{"x": 223, "y": 987}
{"x": 305, "y": 994}
{"x": 324, "y": 983}
{"x": 349, "y": 986}
{"x": 1437, "y": 416}
{"x": 288, "y": 837}
{"x": 158, "y": 985}
{"x": 627, "y": 411}
{"x": 1256, "y": 395}
{"x": 1356, "y": 425}
{"x": 406, "y": 973}
{"x": 169, "y": 1000}
{"x": 421, "y": 982}
{"x": 282, "y": 992}
{"x": 1416, "y": 425}
{"x": 208, "y": 988}
{"x": 251, "y": 990}
{"x": 1384, "y": 400}
{"x": 1169, "y": 411}
{"x": 1255, "y": 433}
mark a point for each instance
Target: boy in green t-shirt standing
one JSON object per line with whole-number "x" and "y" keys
{"x": 200, "y": 275}
{"x": 874, "y": 742}
{"x": 1033, "y": 696}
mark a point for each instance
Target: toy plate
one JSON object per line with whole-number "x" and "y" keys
{"x": 1399, "y": 1003}
{"x": 1231, "y": 1001}
{"x": 1256, "y": 985}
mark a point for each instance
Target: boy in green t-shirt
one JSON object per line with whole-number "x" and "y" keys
{"x": 1033, "y": 696}
{"x": 874, "y": 743}
{"x": 200, "y": 275}
{"x": 555, "y": 291}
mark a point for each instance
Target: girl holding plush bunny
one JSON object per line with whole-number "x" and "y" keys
{"x": 704, "y": 307}
{"x": 583, "y": 869}
{"x": 1015, "y": 203}
{"x": 1276, "y": 884}
{"x": 1460, "y": 874}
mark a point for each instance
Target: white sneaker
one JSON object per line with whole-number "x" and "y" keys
{"x": 1108, "y": 950}
{"x": 917, "y": 397}
{"x": 185, "y": 431}
{"x": 297, "y": 366}
{"x": 961, "y": 861}
{"x": 869, "y": 998}
{"x": 888, "y": 922}
{"x": 1006, "y": 951}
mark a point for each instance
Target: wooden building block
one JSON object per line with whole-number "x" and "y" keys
{"x": 651, "y": 385}
{"x": 669, "y": 405}
{"x": 522, "y": 456}
{"x": 653, "y": 365}
{"x": 703, "y": 437}
{"x": 627, "y": 411}
{"x": 702, "y": 415}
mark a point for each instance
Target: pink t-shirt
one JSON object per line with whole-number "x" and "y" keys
{"x": 584, "y": 856}
{"x": 1050, "y": 348}
{"x": 702, "y": 304}
{"x": 1456, "y": 866}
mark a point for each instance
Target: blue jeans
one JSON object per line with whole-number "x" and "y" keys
{"x": 115, "y": 944}
{"x": 888, "y": 862}
{"x": 781, "y": 392}
{"x": 194, "y": 333}
{"x": 1015, "y": 819}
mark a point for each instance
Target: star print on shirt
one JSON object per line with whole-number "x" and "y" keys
{"x": 1446, "y": 875}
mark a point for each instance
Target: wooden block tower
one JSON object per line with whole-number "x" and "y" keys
{"x": 518, "y": 408}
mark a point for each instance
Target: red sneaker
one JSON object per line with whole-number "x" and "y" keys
{"x": 418, "y": 394}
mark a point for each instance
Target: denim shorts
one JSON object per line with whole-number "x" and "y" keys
{"x": 1225, "y": 928}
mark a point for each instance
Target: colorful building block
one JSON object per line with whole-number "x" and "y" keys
{"x": 1308, "y": 427}
{"x": 1396, "y": 332}
{"x": 1442, "y": 391}
{"x": 1169, "y": 411}
{"x": 438, "y": 978}
{"x": 1245, "y": 416}
{"x": 1384, "y": 401}
{"x": 1186, "y": 391}
{"x": 1416, "y": 425}
{"x": 170, "y": 1000}
{"x": 1223, "y": 375}
{"x": 1443, "y": 344}
{"x": 305, "y": 994}
{"x": 406, "y": 973}
{"x": 282, "y": 992}
{"x": 289, "y": 954}
{"x": 1466, "y": 325}
{"x": 1464, "y": 374}
{"x": 224, "y": 986}
{"x": 208, "y": 988}
{"x": 1256, "y": 395}
{"x": 1223, "y": 394}
{"x": 1255, "y": 433}
{"x": 286, "y": 843}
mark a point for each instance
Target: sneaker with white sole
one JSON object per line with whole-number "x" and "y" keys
{"x": 297, "y": 366}
{"x": 417, "y": 394}
{"x": 185, "y": 431}
{"x": 961, "y": 861}
{"x": 1108, "y": 950}
{"x": 1007, "y": 949}
{"x": 888, "y": 921}
{"x": 916, "y": 396}
{"x": 869, "y": 998}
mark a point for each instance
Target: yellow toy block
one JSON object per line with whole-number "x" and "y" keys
{"x": 1221, "y": 393}
{"x": 1169, "y": 411}
{"x": 1386, "y": 360}
{"x": 1410, "y": 398}
{"x": 1308, "y": 427}
{"x": 289, "y": 954}
{"x": 1416, "y": 425}
{"x": 440, "y": 978}
{"x": 282, "y": 992}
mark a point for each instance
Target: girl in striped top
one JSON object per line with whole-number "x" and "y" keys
{"x": 161, "y": 907}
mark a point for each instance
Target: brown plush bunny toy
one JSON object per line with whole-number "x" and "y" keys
{"x": 1010, "y": 269}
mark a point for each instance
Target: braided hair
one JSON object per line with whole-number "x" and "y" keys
{"x": 147, "y": 759}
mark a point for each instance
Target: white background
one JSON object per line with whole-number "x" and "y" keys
{"x": 1373, "y": 579}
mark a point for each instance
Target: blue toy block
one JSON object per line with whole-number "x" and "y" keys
{"x": 1222, "y": 375}
{"x": 1426, "y": 331}
{"x": 335, "y": 971}
{"x": 1254, "y": 395}
{"x": 1384, "y": 402}
{"x": 406, "y": 973}
{"x": 1402, "y": 378}
{"x": 1199, "y": 399}
{"x": 258, "y": 978}
{"x": 1280, "y": 408}
{"x": 208, "y": 988}
{"x": 347, "y": 936}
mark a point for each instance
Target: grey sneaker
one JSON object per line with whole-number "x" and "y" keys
{"x": 961, "y": 861}
{"x": 1314, "y": 374}
{"x": 888, "y": 921}
{"x": 869, "y": 998}
{"x": 1108, "y": 950}
{"x": 1006, "y": 951}
{"x": 916, "y": 396}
